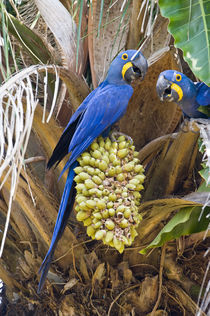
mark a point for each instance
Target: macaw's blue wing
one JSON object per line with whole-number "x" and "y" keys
{"x": 61, "y": 149}
{"x": 66, "y": 206}
{"x": 203, "y": 94}
{"x": 203, "y": 98}
{"x": 104, "y": 109}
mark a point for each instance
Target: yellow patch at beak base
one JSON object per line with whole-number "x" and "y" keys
{"x": 125, "y": 68}
{"x": 178, "y": 89}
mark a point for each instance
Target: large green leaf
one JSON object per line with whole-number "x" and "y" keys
{"x": 187, "y": 221}
{"x": 189, "y": 24}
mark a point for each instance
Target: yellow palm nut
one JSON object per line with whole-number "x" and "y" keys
{"x": 80, "y": 198}
{"x": 140, "y": 178}
{"x": 120, "y": 177}
{"x": 89, "y": 184}
{"x": 91, "y": 203}
{"x": 97, "y": 224}
{"x": 94, "y": 146}
{"x": 116, "y": 162}
{"x": 118, "y": 169}
{"x": 98, "y": 193}
{"x": 109, "y": 237}
{"x": 100, "y": 204}
{"x": 137, "y": 194}
{"x": 82, "y": 215}
{"x": 124, "y": 223}
{"x": 134, "y": 181}
{"x": 138, "y": 168}
{"x": 105, "y": 214}
{"x": 121, "y": 208}
{"x": 78, "y": 170}
{"x": 85, "y": 154}
{"x": 105, "y": 157}
{"x": 92, "y": 162}
{"x": 109, "y": 204}
{"x": 124, "y": 194}
{"x": 97, "y": 179}
{"x": 115, "y": 145}
{"x": 109, "y": 224}
{"x": 103, "y": 165}
{"x": 77, "y": 179}
{"x": 84, "y": 176}
{"x": 107, "y": 144}
{"x": 100, "y": 234}
{"x": 122, "y": 153}
{"x": 83, "y": 206}
{"x": 127, "y": 212}
{"x": 112, "y": 197}
{"x": 97, "y": 215}
{"x": 87, "y": 221}
{"x": 122, "y": 145}
{"x": 112, "y": 157}
{"x": 101, "y": 142}
{"x": 131, "y": 186}
{"x": 121, "y": 138}
{"x": 118, "y": 244}
{"x": 111, "y": 212}
{"x": 91, "y": 231}
{"x": 86, "y": 160}
{"x": 139, "y": 187}
{"x": 111, "y": 172}
{"x": 96, "y": 154}
{"x": 90, "y": 170}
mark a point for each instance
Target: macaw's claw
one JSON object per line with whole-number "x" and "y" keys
{"x": 184, "y": 127}
{"x": 191, "y": 125}
{"x": 115, "y": 135}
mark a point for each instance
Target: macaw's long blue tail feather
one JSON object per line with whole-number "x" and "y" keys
{"x": 66, "y": 205}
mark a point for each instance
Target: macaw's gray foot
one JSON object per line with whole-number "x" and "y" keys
{"x": 115, "y": 135}
{"x": 190, "y": 126}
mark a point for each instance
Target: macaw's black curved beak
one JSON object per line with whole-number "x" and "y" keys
{"x": 136, "y": 68}
{"x": 166, "y": 89}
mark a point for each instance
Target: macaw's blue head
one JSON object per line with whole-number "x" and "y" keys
{"x": 126, "y": 67}
{"x": 174, "y": 86}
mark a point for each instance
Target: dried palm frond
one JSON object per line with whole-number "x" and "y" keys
{"x": 16, "y": 123}
{"x": 63, "y": 27}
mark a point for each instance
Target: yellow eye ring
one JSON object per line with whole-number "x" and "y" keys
{"x": 178, "y": 77}
{"x": 125, "y": 56}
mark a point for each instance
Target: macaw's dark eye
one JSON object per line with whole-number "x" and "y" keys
{"x": 178, "y": 77}
{"x": 125, "y": 56}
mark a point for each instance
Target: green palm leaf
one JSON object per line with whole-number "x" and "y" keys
{"x": 188, "y": 220}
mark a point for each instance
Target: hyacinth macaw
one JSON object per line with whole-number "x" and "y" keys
{"x": 103, "y": 107}
{"x": 192, "y": 97}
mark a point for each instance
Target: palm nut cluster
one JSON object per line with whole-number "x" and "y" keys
{"x": 108, "y": 180}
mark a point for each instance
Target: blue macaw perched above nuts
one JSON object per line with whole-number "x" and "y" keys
{"x": 109, "y": 178}
{"x": 95, "y": 116}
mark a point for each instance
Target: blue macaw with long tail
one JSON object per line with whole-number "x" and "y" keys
{"x": 102, "y": 108}
{"x": 192, "y": 97}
